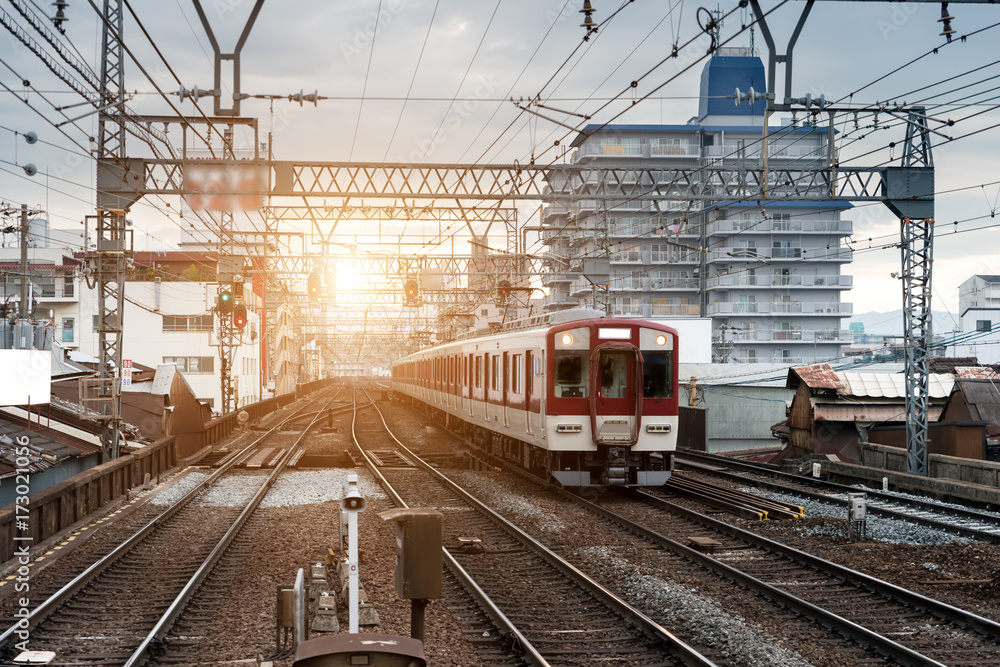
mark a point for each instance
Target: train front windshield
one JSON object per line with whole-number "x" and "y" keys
{"x": 572, "y": 374}
{"x": 656, "y": 374}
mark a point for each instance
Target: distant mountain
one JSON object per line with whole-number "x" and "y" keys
{"x": 891, "y": 323}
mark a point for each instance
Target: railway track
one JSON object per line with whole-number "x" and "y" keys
{"x": 119, "y": 610}
{"x": 965, "y": 522}
{"x": 916, "y": 629}
{"x": 518, "y": 582}
{"x": 880, "y": 618}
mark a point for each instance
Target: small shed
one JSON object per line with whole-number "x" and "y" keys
{"x": 832, "y": 412}
{"x": 977, "y": 401}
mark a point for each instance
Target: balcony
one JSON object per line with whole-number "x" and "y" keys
{"x": 786, "y": 361}
{"x": 594, "y": 149}
{"x": 673, "y": 310}
{"x": 766, "y": 255}
{"x": 794, "y": 225}
{"x": 770, "y": 280}
{"x": 779, "y": 308}
{"x": 735, "y": 335}
{"x": 580, "y": 287}
{"x": 559, "y": 298}
{"x": 549, "y": 279}
{"x": 750, "y": 149}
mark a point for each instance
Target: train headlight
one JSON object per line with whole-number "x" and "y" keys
{"x": 567, "y": 339}
{"x": 661, "y": 340}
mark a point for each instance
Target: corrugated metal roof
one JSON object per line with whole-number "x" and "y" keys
{"x": 891, "y": 385}
{"x": 819, "y": 376}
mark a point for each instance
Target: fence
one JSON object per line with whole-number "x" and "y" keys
{"x": 61, "y": 505}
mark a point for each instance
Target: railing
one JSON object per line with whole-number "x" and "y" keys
{"x": 644, "y": 149}
{"x": 764, "y": 254}
{"x": 667, "y": 310}
{"x": 781, "y": 307}
{"x": 770, "y": 280}
{"x": 784, "y": 336}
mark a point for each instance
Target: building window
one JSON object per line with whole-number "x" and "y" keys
{"x": 192, "y": 364}
{"x": 68, "y": 329}
{"x": 190, "y": 323}
{"x": 620, "y": 146}
{"x": 984, "y": 325}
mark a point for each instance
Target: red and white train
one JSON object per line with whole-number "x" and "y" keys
{"x": 586, "y": 399}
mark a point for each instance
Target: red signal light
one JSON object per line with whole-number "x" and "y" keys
{"x": 240, "y": 316}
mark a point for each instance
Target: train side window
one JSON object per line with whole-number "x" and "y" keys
{"x": 495, "y": 372}
{"x": 479, "y": 372}
{"x": 516, "y": 382}
{"x": 572, "y": 374}
{"x": 657, "y": 374}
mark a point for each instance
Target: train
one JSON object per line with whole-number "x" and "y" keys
{"x": 575, "y": 396}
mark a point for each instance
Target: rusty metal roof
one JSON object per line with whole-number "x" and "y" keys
{"x": 976, "y": 373}
{"x": 817, "y": 376}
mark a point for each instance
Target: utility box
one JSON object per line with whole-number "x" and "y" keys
{"x": 857, "y": 507}
{"x": 419, "y": 540}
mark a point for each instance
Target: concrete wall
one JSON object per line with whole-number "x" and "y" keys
{"x": 739, "y": 417}
{"x": 949, "y": 475}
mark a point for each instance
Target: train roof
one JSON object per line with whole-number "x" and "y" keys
{"x": 536, "y": 323}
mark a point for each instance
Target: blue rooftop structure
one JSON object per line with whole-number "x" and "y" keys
{"x": 720, "y": 79}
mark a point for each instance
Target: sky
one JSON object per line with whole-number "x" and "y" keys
{"x": 431, "y": 81}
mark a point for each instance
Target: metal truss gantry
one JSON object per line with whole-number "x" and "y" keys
{"x": 112, "y": 247}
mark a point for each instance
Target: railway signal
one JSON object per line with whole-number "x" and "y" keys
{"x": 503, "y": 292}
{"x": 411, "y": 292}
{"x": 240, "y": 316}
{"x": 314, "y": 284}
{"x": 225, "y": 305}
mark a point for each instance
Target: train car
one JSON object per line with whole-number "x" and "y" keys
{"x": 585, "y": 399}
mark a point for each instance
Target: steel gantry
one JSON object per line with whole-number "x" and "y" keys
{"x": 112, "y": 237}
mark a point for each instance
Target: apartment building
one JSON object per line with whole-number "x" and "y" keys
{"x": 767, "y": 272}
{"x": 979, "y": 308}
{"x": 169, "y": 314}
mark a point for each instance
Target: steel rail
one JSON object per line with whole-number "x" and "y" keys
{"x": 490, "y": 608}
{"x": 983, "y": 626}
{"x": 70, "y": 589}
{"x": 162, "y": 627}
{"x": 847, "y": 628}
{"x": 648, "y": 626}
{"x": 929, "y": 506}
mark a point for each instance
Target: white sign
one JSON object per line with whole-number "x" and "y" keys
{"x": 126, "y": 372}
{"x": 27, "y": 377}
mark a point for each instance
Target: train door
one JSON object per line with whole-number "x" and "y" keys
{"x": 505, "y": 387}
{"x": 615, "y": 393}
{"x": 543, "y": 392}
{"x": 470, "y": 370}
{"x": 529, "y": 384}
